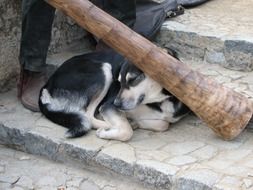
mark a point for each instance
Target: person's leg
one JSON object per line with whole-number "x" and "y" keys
{"x": 37, "y": 19}
{"x": 36, "y": 34}
{"x": 123, "y": 10}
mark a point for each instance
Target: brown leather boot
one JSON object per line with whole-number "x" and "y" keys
{"x": 29, "y": 87}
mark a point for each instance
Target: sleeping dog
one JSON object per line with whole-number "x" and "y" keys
{"x": 102, "y": 90}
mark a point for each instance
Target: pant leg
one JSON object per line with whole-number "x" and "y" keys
{"x": 37, "y": 19}
{"x": 123, "y": 10}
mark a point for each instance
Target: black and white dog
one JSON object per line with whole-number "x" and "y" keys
{"x": 98, "y": 91}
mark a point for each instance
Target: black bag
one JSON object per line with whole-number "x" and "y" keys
{"x": 191, "y": 3}
{"x": 149, "y": 18}
{"x": 150, "y": 15}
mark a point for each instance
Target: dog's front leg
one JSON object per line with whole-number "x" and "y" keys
{"x": 119, "y": 129}
{"x": 99, "y": 124}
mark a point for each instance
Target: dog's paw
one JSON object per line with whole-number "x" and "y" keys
{"x": 114, "y": 134}
{"x": 104, "y": 133}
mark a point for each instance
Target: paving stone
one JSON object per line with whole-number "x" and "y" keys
{"x": 235, "y": 155}
{"x": 89, "y": 142}
{"x": 160, "y": 166}
{"x": 197, "y": 179}
{"x": 47, "y": 181}
{"x": 226, "y": 145}
{"x": 219, "y": 164}
{"x": 215, "y": 57}
{"x": 49, "y": 128}
{"x": 6, "y": 153}
{"x": 183, "y": 148}
{"x": 239, "y": 55}
{"x": 24, "y": 158}
{"x": 119, "y": 157}
{"x": 9, "y": 179}
{"x": 155, "y": 173}
{"x": 109, "y": 188}
{"x": 88, "y": 185}
{"x": 239, "y": 171}
{"x": 229, "y": 182}
{"x": 205, "y": 152}
{"x": 72, "y": 188}
{"x": 25, "y": 182}
{"x": 74, "y": 182}
{"x": 151, "y": 155}
{"x": 17, "y": 188}
{"x": 44, "y": 174}
{"x": 248, "y": 183}
{"x": 148, "y": 144}
{"x": 247, "y": 162}
{"x": 2, "y": 169}
{"x": 181, "y": 160}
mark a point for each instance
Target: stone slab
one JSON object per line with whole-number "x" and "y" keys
{"x": 43, "y": 174}
{"x": 187, "y": 156}
{"x": 218, "y": 32}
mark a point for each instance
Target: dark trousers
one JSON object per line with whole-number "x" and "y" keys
{"x": 37, "y": 19}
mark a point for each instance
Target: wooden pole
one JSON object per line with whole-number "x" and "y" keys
{"x": 224, "y": 110}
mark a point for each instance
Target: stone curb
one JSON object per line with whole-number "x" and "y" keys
{"x": 232, "y": 54}
{"x": 36, "y": 143}
{"x": 212, "y": 33}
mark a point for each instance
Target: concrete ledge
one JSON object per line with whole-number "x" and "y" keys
{"x": 187, "y": 156}
{"x": 217, "y": 32}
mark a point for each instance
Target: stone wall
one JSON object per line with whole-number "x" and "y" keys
{"x": 64, "y": 33}
{"x": 9, "y": 38}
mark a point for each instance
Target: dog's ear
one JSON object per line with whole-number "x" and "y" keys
{"x": 123, "y": 71}
{"x": 135, "y": 79}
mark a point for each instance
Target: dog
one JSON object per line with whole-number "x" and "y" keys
{"x": 102, "y": 90}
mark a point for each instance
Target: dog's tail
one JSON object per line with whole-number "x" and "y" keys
{"x": 76, "y": 122}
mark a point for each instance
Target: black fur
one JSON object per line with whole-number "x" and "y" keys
{"x": 155, "y": 106}
{"x": 80, "y": 77}
{"x": 78, "y": 80}
{"x": 72, "y": 121}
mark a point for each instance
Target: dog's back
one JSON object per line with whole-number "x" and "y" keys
{"x": 73, "y": 93}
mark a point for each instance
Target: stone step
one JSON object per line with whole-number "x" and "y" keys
{"x": 218, "y": 32}
{"x": 187, "y": 156}
{"x": 22, "y": 171}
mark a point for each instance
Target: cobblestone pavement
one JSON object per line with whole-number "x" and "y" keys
{"x": 187, "y": 156}
{"x": 22, "y": 171}
{"x": 218, "y": 32}
{"x": 219, "y": 19}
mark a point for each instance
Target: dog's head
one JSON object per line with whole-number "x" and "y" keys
{"x": 136, "y": 88}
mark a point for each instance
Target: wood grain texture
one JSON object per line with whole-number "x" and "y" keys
{"x": 224, "y": 110}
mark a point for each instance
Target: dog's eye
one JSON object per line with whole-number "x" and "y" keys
{"x": 136, "y": 80}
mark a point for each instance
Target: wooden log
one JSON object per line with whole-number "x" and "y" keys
{"x": 224, "y": 110}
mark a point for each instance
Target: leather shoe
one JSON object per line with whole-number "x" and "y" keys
{"x": 29, "y": 87}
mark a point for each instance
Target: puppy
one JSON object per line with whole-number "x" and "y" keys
{"x": 103, "y": 91}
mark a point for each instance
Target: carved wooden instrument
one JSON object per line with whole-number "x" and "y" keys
{"x": 224, "y": 110}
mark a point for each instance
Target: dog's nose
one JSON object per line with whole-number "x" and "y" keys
{"x": 117, "y": 102}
